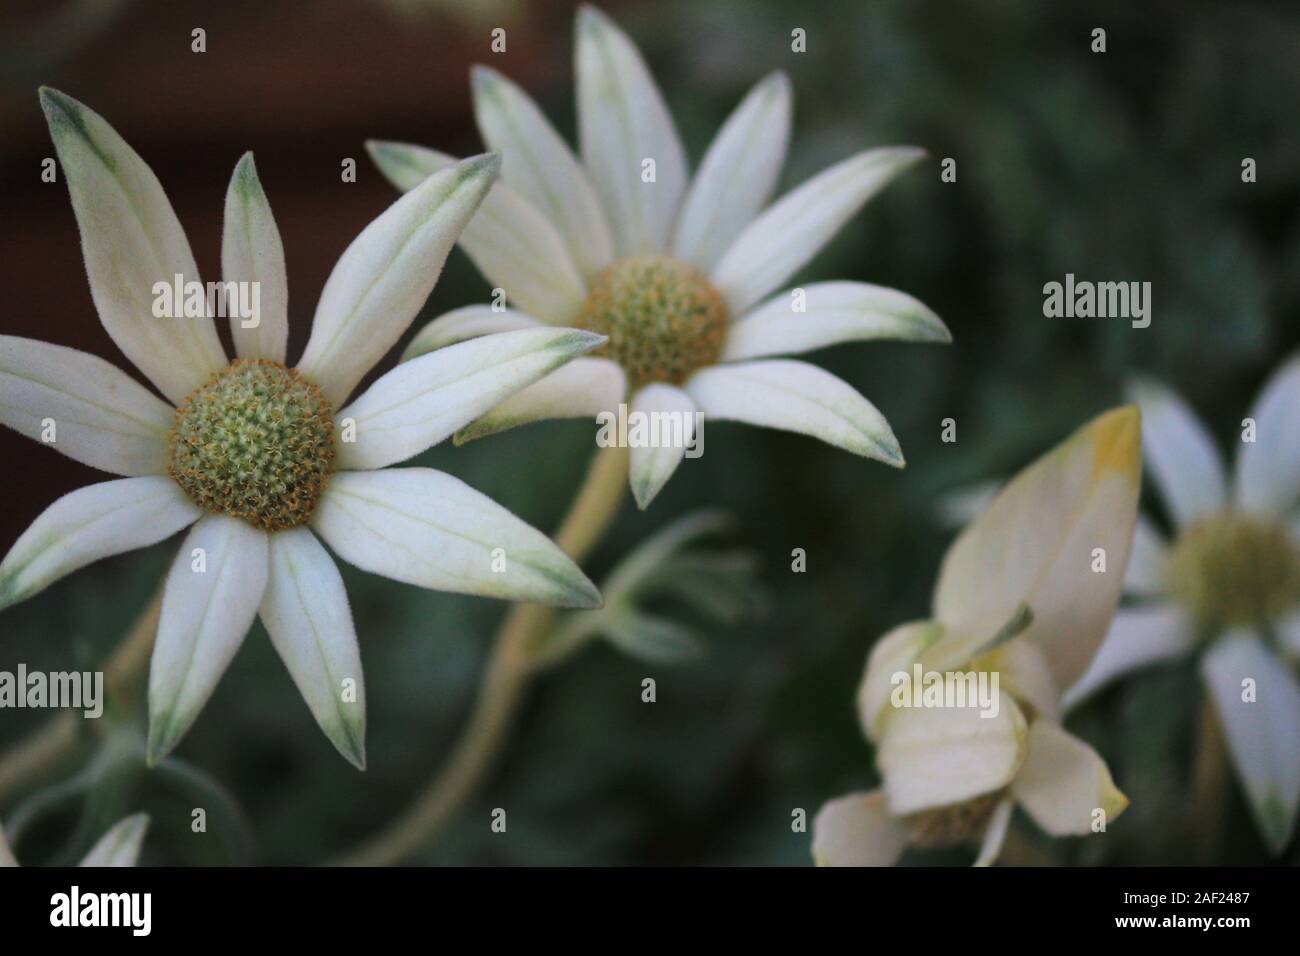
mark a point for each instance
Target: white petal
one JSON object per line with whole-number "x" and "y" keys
{"x": 383, "y": 278}
{"x": 421, "y": 402}
{"x": 251, "y": 251}
{"x": 120, "y": 846}
{"x": 1268, "y": 469}
{"x": 891, "y": 654}
{"x": 934, "y": 756}
{"x": 736, "y": 178}
{"x": 1260, "y": 721}
{"x": 1064, "y": 785}
{"x": 539, "y": 165}
{"x": 1138, "y": 637}
{"x": 1180, "y": 454}
{"x": 834, "y": 312}
{"x": 793, "y": 230}
{"x": 796, "y": 397}
{"x": 622, "y": 122}
{"x": 1145, "y": 576}
{"x": 671, "y": 417}
{"x": 583, "y": 388}
{"x": 509, "y": 239}
{"x": 459, "y": 325}
{"x": 305, "y": 610}
{"x": 92, "y": 523}
{"x": 100, "y": 415}
{"x": 1035, "y": 545}
{"x": 131, "y": 240}
{"x": 434, "y": 531}
{"x": 995, "y": 834}
{"x": 857, "y": 830}
{"x": 1024, "y": 672}
{"x": 211, "y": 598}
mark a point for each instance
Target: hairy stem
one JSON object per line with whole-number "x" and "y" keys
{"x": 504, "y": 680}
{"x": 33, "y": 758}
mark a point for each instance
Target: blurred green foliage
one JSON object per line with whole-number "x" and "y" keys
{"x": 1124, "y": 165}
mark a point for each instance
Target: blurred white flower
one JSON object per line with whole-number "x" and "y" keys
{"x": 120, "y": 846}
{"x": 1020, "y": 596}
{"x": 253, "y": 453}
{"x": 676, "y": 272}
{"x": 1227, "y": 585}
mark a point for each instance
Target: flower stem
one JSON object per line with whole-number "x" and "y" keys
{"x": 505, "y": 678}
{"x": 34, "y": 757}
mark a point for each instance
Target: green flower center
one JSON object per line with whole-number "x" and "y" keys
{"x": 663, "y": 318}
{"x": 1233, "y": 569}
{"x": 256, "y": 441}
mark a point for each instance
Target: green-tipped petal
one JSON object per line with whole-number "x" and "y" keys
{"x": 251, "y": 251}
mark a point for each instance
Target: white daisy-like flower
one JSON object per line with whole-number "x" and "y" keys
{"x": 120, "y": 846}
{"x": 256, "y": 455}
{"x": 676, "y": 272}
{"x": 1021, "y": 594}
{"x": 1227, "y": 586}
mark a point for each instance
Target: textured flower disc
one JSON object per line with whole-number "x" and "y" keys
{"x": 256, "y": 441}
{"x": 1235, "y": 569}
{"x": 663, "y": 318}
{"x": 954, "y": 824}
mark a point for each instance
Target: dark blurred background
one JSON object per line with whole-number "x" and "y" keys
{"x": 1121, "y": 166}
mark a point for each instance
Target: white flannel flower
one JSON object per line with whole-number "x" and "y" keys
{"x": 120, "y": 846}
{"x": 256, "y": 455}
{"x": 1020, "y": 595}
{"x": 676, "y": 272}
{"x": 1227, "y": 586}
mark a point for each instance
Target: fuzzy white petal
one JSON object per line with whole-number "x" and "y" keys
{"x": 306, "y": 613}
{"x": 797, "y": 397}
{"x": 131, "y": 240}
{"x": 583, "y": 388}
{"x": 995, "y": 834}
{"x": 251, "y": 251}
{"x": 737, "y": 175}
{"x": 1268, "y": 469}
{"x": 383, "y": 278}
{"x": 651, "y": 467}
{"x": 120, "y": 846}
{"x": 100, "y": 415}
{"x": 795, "y": 228}
{"x": 509, "y": 239}
{"x": 211, "y": 597}
{"x": 89, "y": 524}
{"x": 857, "y": 830}
{"x": 934, "y": 756}
{"x": 1036, "y": 545}
{"x": 539, "y": 165}
{"x": 623, "y": 122}
{"x": 465, "y": 323}
{"x": 1180, "y": 454}
{"x": 1138, "y": 637}
{"x": 1258, "y": 702}
{"x": 833, "y": 312}
{"x": 421, "y": 402}
{"x": 1146, "y": 574}
{"x": 891, "y": 654}
{"x": 429, "y": 529}
{"x": 1064, "y": 785}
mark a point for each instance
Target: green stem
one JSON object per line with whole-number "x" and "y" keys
{"x": 505, "y": 678}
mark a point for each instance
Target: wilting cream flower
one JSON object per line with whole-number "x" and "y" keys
{"x": 1022, "y": 594}
{"x": 1228, "y": 586}
{"x": 676, "y": 272}
{"x": 120, "y": 846}
{"x": 257, "y": 455}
